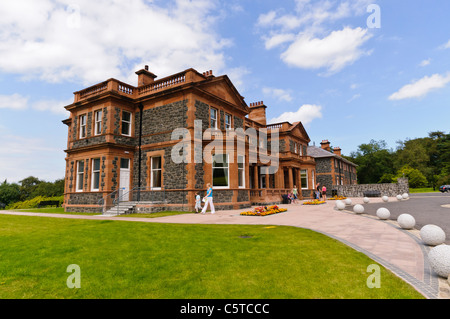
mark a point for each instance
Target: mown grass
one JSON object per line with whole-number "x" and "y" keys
{"x": 424, "y": 190}
{"x": 152, "y": 260}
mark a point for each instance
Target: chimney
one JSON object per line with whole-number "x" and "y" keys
{"x": 258, "y": 112}
{"x": 337, "y": 151}
{"x": 145, "y": 76}
{"x": 325, "y": 144}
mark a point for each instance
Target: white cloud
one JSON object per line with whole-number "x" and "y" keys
{"x": 54, "y": 106}
{"x": 19, "y": 102}
{"x": 446, "y": 45}
{"x": 30, "y": 157}
{"x": 312, "y": 41}
{"x": 278, "y": 39}
{"x": 279, "y": 94}
{"x": 425, "y": 62}
{"x": 305, "y": 114}
{"x": 14, "y": 101}
{"x": 421, "y": 87}
{"x": 334, "y": 52}
{"x": 89, "y": 41}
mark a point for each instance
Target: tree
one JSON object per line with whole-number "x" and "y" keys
{"x": 27, "y": 187}
{"x": 415, "y": 177}
{"x": 9, "y": 193}
{"x": 373, "y": 160}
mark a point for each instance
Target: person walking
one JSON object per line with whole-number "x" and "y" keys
{"x": 198, "y": 205}
{"x": 294, "y": 193}
{"x": 209, "y": 199}
{"x": 324, "y": 193}
{"x": 318, "y": 191}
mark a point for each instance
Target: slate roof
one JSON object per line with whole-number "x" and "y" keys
{"x": 318, "y": 152}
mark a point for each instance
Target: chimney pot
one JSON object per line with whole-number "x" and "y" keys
{"x": 146, "y": 68}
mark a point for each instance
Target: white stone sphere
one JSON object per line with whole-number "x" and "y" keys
{"x": 348, "y": 201}
{"x": 432, "y": 235}
{"x": 406, "y": 221}
{"x": 385, "y": 198}
{"x": 340, "y": 205}
{"x": 366, "y": 200}
{"x": 439, "y": 258}
{"x": 405, "y": 196}
{"x": 383, "y": 213}
{"x": 399, "y": 197}
{"x": 358, "y": 209}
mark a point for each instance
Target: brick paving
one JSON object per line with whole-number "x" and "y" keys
{"x": 400, "y": 251}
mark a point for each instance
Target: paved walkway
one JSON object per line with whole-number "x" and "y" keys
{"x": 399, "y": 250}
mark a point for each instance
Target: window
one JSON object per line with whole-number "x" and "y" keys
{"x": 98, "y": 122}
{"x": 80, "y": 176}
{"x": 220, "y": 170}
{"x": 125, "y": 163}
{"x": 241, "y": 170}
{"x": 213, "y": 118}
{"x": 156, "y": 172}
{"x": 227, "y": 121}
{"x": 95, "y": 179}
{"x": 126, "y": 123}
{"x": 83, "y": 126}
{"x": 304, "y": 178}
{"x": 295, "y": 148}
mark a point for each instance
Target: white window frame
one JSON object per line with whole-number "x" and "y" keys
{"x": 155, "y": 169}
{"x": 228, "y": 171}
{"x": 98, "y": 122}
{"x": 228, "y": 123}
{"x": 83, "y": 130}
{"x": 211, "y": 118}
{"x": 128, "y": 122}
{"x": 79, "y": 186}
{"x": 93, "y": 173}
{"x": 242, "y": 179}
{"x": 306, "y": 177}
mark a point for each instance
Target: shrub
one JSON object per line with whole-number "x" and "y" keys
{"x": 34, "y": 202}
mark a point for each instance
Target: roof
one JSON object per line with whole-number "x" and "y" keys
{"x": 318, "y": 152}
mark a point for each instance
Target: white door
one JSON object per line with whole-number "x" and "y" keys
{"x": 124, "y": 184}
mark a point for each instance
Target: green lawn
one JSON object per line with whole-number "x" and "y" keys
{"x": 150, "y": 260}
{"x": 424, "y": 190}
{"x": 60, "y": 210}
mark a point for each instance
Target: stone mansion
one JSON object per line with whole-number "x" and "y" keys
{"x": 121, "y": 143}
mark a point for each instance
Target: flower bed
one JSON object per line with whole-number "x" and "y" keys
{"x": 337, "y": 198}
{"x": 264, "y": 211}
{"x": 314, "y": 202}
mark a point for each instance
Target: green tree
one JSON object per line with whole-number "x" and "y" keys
{"x": 373, "y": 160}
{"x": 27, "y": 187}
{"x": 415, "y": 177}
{"x": 9, "y": 193}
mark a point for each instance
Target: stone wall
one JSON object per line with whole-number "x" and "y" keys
{"x": 391, "y": 190}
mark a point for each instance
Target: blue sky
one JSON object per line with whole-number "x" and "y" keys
{"x": 351, "y": 72}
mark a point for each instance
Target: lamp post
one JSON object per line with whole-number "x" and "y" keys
{"x": 141, "y": 108}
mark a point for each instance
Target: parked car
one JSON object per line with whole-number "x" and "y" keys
{"x": 444, "y": 188}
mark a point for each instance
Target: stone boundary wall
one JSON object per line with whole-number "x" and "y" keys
{"x": 391, "y": 190}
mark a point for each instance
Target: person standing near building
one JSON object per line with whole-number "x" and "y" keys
{"x": 324, "y": 192}
{"x": 198, "y": 205}
{"x": 318, "y": 191}
{"x": 209, "y": 199}
{"x": 294, "y": 193}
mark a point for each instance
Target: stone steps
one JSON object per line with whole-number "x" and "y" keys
{"x": 126, "y": 208}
